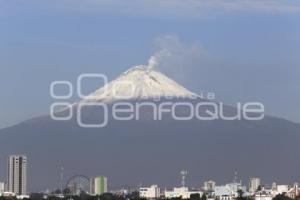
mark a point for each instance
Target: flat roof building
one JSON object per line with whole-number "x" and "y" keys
{"x": 150, "y": 192}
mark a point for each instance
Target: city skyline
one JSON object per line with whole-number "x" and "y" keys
{"x": 98, "y": 184}
{"x": 17, "y": 165}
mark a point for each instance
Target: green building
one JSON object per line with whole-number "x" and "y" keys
{"x": 98, "y": 185}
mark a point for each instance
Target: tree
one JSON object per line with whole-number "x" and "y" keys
{"x": 195, "y": 196}
{"x": 36, "y": 196}
{"x": 133, "y": 195}
{"x": 53, "y": 198}
{"x": 83, "y": 195}
{"x": 282, "y": 197}
{"x": 106, "y": 196}
{"x": 259, "y": 188}
{"x": 176, "y": 198}
{"x": 67, "y": 191}
{"x": 204, "y": 197}
{"x": 240, "y": 194}
{"x": 7, "y": 198}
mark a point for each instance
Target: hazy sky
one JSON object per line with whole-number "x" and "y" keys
{"x": 246, "y": 50}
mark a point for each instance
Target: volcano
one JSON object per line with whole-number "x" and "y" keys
{"x": 140, "y": 83}
{"x": 151, "y": 151}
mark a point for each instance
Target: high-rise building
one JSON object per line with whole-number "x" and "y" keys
{"x": 17, "y": 174}
{"x": 1, "y": 188}
{"x": 98, "y": 185}
{"x": 254, "y": 184}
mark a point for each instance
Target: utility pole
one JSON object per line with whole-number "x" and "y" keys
{"x": 61, "y": 181}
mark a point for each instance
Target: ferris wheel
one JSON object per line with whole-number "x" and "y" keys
{"x": 78, "y": 184}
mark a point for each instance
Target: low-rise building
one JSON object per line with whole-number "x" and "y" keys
{"x": 8, "y": 194}
{"x": 209, "y": 185}
{"x": 150, "y": 192}
{"x": 182, "y": 192}
{"x": 23, "y": 196}
{"x": 120, "y": 191}
{"x": 282, "y": 189}
{"x": 263, "y": 195}
{"x": 228, "y": 191}
{"x": 294, "y": 191}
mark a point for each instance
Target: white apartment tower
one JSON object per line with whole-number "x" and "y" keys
{"x": 1, "y": 188}
{"x": 17, "y": 174}
{"x": 253, "y": 184}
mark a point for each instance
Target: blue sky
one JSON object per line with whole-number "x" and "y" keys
{"x": 242, "y": 50}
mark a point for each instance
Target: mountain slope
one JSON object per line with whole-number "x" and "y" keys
{"x": 154, "y": 151}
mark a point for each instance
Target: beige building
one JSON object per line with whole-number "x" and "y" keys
{"x": 254, "y": 183}
{"x": 150, "y": 192}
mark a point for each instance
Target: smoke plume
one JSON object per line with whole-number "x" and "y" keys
{"x": 172, "y": 55}
{"x": 158, "y": 57}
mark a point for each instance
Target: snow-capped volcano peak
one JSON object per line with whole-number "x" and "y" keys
{"x": 139, "y": 82}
